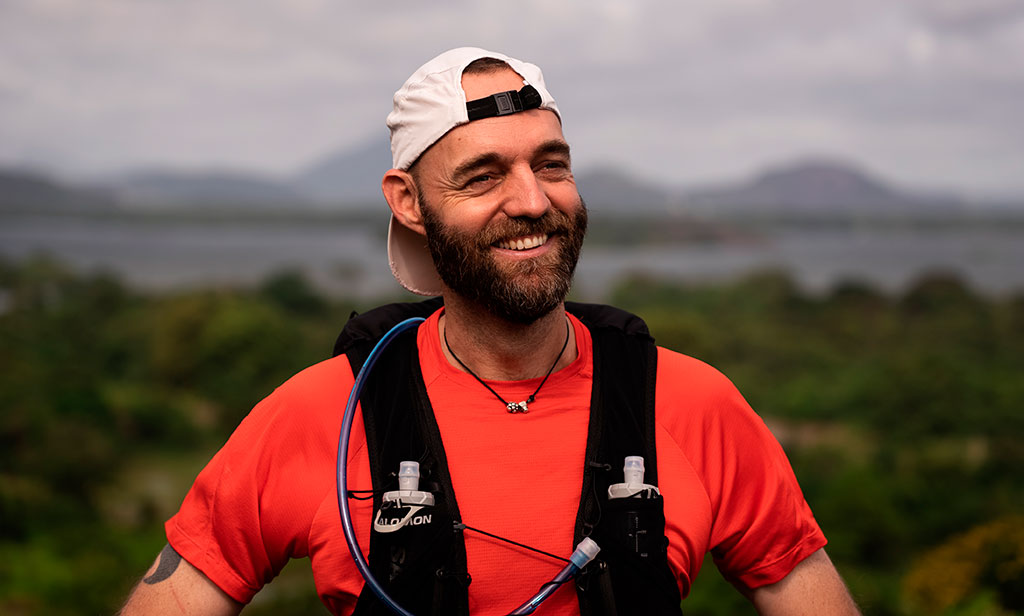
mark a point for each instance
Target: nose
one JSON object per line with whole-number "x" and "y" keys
{"x": 526, "y": 196}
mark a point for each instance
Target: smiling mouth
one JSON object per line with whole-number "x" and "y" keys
{"x": 524, "y": 243}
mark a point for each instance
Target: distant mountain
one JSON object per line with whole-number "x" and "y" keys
{"x": 350, "y": 180}
{"x": 348, "y": 177}
{"x": 608, "y": 190}
{"x": 26, "y": 190}
{"x": 163, "y": 188}
{"x": 816, "y": 186}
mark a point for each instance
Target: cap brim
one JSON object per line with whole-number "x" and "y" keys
{"x": 410, "y": 260}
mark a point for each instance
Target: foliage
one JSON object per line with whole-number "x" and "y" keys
{"x": 989, "y": 557}
{"x": 901, "y": 415}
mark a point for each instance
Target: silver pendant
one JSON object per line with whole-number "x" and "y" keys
{"x": 517, "y": 407}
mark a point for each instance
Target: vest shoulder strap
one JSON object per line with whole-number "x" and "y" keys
{"x": 364, "y": 330}
{"x": 600, "y": 316}
{"x": 631, "y": 574}
{"x": 422, "y": 565}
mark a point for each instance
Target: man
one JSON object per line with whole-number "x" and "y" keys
{"x": 517, "y": 410}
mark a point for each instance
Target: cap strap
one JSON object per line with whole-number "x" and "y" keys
{"x": 503, "y": 103}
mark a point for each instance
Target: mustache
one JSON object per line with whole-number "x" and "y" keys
{"x": 551, "y": 223}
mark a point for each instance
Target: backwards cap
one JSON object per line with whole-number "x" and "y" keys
{"x": 428, "y": 105}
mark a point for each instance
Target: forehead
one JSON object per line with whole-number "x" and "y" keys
{"x": 510, "y": 136}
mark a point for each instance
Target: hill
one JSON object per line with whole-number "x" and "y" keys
{"x": 817, "y": 187}
{"x": 606, "y": 189}
{"x": 164, "y": 188}
{"x": 31, "y": 191}
{"x": 348, "y": 177}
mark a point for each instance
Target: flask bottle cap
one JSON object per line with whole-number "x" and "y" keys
{"x": 408, "y": 475}
{"x": 634, "y": 469}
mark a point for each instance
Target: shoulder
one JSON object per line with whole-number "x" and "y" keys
{"x": 307, "y": 408}
{"x": 681, "y": 377}
{"x": 697, "y": 404}
{"x": 318, "y": 382}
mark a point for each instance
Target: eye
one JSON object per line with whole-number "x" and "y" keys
{"x": 556, "y": 169}
{"x": 480, "y": 182}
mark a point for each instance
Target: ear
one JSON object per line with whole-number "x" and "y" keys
{"x": 403, "y": 197}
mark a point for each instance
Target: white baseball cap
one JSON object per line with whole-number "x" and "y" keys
{"x": 428, "y": 105}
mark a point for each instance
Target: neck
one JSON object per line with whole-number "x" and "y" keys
{"x": 497, "y": 349}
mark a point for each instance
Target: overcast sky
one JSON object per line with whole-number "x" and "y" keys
{"x": 928, "y": 93}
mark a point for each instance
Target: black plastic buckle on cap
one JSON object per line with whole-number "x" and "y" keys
{"x": 503, "y": 103}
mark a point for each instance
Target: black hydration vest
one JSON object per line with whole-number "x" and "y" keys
{"x": 423, "y": 566}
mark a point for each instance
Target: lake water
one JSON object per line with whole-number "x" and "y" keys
{"x": 352, "y": 259}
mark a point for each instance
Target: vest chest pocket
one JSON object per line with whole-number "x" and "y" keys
{"x": 412, "y": 544}
{"x": 634, "y": 549}
{"x": 405, "y": 527}
{"x": 636, "y": 525}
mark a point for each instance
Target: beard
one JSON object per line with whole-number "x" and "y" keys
{"x": 520, "y": 291}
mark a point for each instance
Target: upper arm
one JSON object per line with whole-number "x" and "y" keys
{"x": 813, "y": 587}
{"x": 174, "y": 587}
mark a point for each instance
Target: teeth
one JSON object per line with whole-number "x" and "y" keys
{"x": 524, "y": 243}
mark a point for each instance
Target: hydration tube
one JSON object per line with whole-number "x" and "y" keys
{"x": 342, "y": 466}
{"x": 584, "y": 553}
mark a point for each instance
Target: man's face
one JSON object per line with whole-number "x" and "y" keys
{"x": 521, "y": 290}
{"x": 504, "y": 220}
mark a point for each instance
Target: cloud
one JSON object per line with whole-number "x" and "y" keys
{"x": 680, "y": 91}
{"x": 972, "y": 17}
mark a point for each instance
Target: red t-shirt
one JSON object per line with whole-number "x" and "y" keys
{"x": 269, "y": 494}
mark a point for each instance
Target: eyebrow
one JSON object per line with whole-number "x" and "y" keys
{"x": 467, "y": 168}
{"x": 554, "y": 146}
{"x": 464, "y": 169}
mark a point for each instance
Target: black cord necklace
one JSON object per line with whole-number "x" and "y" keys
{"x": 511, "y": 407}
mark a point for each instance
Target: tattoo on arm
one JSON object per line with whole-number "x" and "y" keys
{"x": 169, "y": 561}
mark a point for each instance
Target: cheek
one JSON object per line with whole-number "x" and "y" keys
{"x": 466, "y": 219}
{"x": 565, "y": 198}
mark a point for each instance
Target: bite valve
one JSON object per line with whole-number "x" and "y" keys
{"x": 585, "y": 552}
{"x": 633, "y": 486}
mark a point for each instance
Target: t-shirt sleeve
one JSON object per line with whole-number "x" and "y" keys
{"x": 250, "y": 510}
{"x": 761, "y": 525}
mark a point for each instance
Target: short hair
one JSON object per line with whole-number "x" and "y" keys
{"x": 484, "y": 66}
